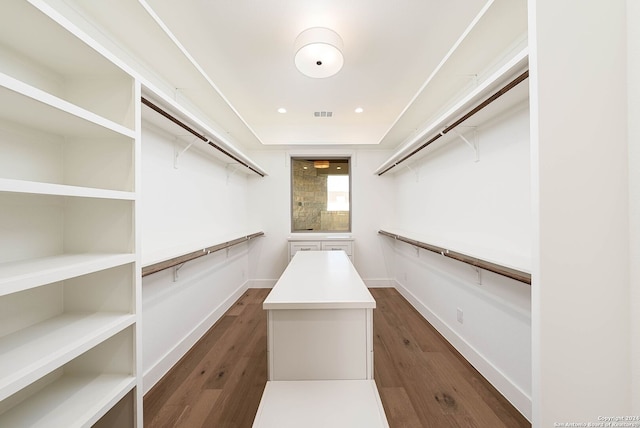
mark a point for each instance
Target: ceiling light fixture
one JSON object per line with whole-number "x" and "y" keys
{"x": 321, "y": 164}
{"x": 282, "y": 110}
{"x": 359, "y": 110}
{"x": 319, "y": 52}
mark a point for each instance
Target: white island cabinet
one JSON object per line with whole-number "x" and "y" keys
{"x": 320, "y": 320}
{"x": 320, "y": 347}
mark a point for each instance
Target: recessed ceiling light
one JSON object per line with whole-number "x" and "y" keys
{"x": 282, "y": 110}
{"x": 359, "y": 110}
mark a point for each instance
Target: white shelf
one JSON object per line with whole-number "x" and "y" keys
{"x": 32, "y": 107}
{"x": 497, "y": 32}
{"x": 38, "y": 188}
{"x": 182, "y": 114}
{"x": 71, "y": 401}
{"x": 29, "y": 354}
{"x": 517, "y": 64}
{"x": 22, "y": 275}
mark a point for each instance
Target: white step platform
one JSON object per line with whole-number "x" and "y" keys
{"x": 321, "y": 404}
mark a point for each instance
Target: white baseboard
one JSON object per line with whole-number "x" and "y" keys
{"x": 502, "y": 383}
{"x": 370, "y": 283}
{"x": 380, "y": 283}
{"x": 168, "y": 360}
{"x": 261, "y": 283}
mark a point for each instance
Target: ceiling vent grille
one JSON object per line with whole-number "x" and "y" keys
{"x": 323, "y": 114}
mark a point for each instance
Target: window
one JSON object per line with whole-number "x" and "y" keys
{"x": 320, "y": 195}
{"x": 337, "y": 193}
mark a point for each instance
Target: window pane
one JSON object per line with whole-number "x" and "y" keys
{"x": 337, "y": 193}
{"x": 320, "y": 195}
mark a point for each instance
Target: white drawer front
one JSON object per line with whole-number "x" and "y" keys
{"x": 337, "y": 246}
{"x": 304, "y": 246}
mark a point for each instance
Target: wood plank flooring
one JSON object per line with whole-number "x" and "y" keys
{"x": 423, "y": 382}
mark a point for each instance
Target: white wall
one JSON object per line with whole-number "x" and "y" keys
{"x": 200, "y": 204}
{"x": 372, "y": 205}
{"x": 633, "y": 88}
{"x": 478, "y": 208}
{"x": 482, "y": 209}
{"x": 580, "y": 306}
{"x": 190, "y": 207}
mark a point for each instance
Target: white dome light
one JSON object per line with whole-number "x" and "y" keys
{"x": 319, "y": 52}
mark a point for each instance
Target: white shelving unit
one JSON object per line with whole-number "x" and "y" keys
{"x": 69, "y": 258}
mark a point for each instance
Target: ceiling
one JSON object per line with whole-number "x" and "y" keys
{"x": 243, "y": 50}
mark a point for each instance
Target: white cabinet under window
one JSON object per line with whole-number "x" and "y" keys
{"x": 69, "y": 276}
{"x": 321, "y": 243}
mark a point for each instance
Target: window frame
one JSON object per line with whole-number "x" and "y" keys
{"x": 294, "y": 158}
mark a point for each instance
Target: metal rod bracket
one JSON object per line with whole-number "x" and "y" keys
{"x": 474, "y": 145}
{"x": 177, "y": 153}
{"x": 414, "y": 171}
{"x": 175, "y": 272}
{"x": 478, "y": 275}
{"x": 234, "y": 167}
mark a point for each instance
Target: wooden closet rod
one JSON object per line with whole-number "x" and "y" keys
{"x": 196, "y": 133}
{"x": 166, "y": 264}
{"x": 473, "y": 261}
{"x": 482, "y": 105}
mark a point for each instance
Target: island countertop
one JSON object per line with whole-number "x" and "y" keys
{"x": 319, "y": 280}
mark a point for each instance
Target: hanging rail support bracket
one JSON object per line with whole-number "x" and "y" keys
{"x": 175, "y": 272}
{"x": 478, "y": 275}
{"x": 178, "y": 153}
{"x": 475, "y": 145}
{"x": 415, "y": 172}
{"x": 227, "y": 167}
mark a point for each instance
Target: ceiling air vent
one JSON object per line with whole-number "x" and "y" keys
{"x": 323, "y": 113}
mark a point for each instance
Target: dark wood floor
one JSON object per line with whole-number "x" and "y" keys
{"x": 422, "y": 380}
